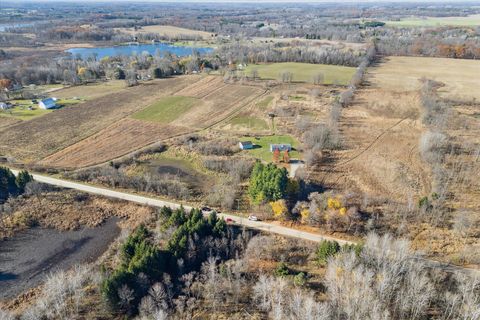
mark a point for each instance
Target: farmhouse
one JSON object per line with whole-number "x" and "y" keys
{"x": 280, "y": 147}
{"x": 48, "y": 103}
{"x": 245, "y": 145}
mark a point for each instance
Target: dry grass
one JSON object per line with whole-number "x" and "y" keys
{"x": 403, "y": 73}
{"x": 90, "y": 91}
{"x": 169, "y": 31}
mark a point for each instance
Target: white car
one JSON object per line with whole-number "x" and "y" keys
{"x": 252, "y": 218}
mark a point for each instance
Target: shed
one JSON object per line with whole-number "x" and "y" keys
{"x": 280, "y": 147}
{"x": 245, "y": 145}
{"x": 48, "y": 103}
{"x": 5, "y": 105}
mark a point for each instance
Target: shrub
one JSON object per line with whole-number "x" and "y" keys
{"x": 325, "y": 250}
{"x": 282, "y": 270}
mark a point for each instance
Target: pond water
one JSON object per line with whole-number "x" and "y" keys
{"x": 127, "y": 50}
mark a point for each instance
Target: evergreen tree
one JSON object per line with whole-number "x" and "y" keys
{"x": 8, "y": 185}
{"x": 22, "y": 179}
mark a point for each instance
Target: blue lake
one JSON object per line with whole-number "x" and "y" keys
{"x": 128, "y": 50}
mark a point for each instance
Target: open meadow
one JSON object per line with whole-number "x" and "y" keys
{"x": 169, "y": 31}
{"x": 459, "y": 76}
{"x": 303, "y": 72}
{"x": 471, "y": 21}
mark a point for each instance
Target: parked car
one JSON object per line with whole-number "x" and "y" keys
{"x": 229, "y": 220}
{"x": 206, "y": 209}
{"x": 252, "y": 218}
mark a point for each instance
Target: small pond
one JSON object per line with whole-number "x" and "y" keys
{"x": 127, "y": 50}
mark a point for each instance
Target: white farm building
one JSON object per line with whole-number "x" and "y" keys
{"x": 48, "y": 103}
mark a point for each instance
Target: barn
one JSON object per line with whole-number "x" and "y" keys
{"x": 48, "y": 103}
{"x": 245, "y": 145}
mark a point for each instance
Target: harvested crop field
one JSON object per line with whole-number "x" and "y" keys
{"x": 159, "y": 121}
{"x": 33, "y": 140}
{"x": 460, "y": 76}
{"x": 169, "y": 31}
{"x": 90, "y": 91}
{"x": 117, "y": 140}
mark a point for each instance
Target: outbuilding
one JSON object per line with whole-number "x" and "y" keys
{"x": 5, "y": 105}
{"x": 245, "y": 145}
{"x": 48, "y": 103}
{"x": 280, "y": 147}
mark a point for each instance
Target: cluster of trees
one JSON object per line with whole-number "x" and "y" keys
{"x": 11, "y": 185}
{"x": 296, "y": 51}
{"x": 267, "y": 183}
{"x": 148, "y": 267}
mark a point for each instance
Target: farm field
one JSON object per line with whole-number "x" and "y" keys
{"x": 188, "y": 110}
{"x": 90, "y": 91}
{"x": 403, "y": 74}
{"x": 169, "y": 31}
{"x": 472, "y": 20}
{"x": 303, "y": 72}
{"x": 248, "y": 123}
{"x": 22, "y": 112}
{"x": 262, "y": 144}
{"x": 35, "y": 139}
{"x": 167, "y": 109}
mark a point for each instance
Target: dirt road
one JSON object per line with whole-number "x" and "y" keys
{"x": 258, "y": 225}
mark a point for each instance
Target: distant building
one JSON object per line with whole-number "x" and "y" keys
{"x": 280, "y": 147}
{"x": 245, "y": 145}
{"x": 48, "y": 103}
{"x": 5, "y": 106}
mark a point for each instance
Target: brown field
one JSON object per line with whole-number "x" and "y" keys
{"x": 402, "y": 74}
{"x": 169, "y": 31}
{"x": 35, "y": 139}
{"x": 114, "y": 141}
{"x": 90, "y": 91}
{"x": 128, "y": 134}
{"x": 381, "y": 131}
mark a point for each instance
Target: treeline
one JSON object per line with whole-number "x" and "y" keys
{"x": 149, "y": 272}
{"x": 11, "y": 185}
{"x": 290, "y": 52}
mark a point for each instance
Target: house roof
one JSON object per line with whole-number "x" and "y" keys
{"x": 246, "y": 143}
{"x": 48, "y": 102}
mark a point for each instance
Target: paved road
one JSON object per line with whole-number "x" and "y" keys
{"x": 258, "y": 225}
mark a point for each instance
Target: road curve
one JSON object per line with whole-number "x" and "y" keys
{"x": 241, "y": 221}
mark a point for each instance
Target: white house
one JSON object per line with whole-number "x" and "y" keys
{"x": 48, "y": 103}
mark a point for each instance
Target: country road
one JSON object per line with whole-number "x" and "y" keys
{"x": 241, "y": 221}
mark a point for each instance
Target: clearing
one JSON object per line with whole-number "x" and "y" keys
{"x": 460, "y": 76}
{"x": 170, "y": 31}
{"x": 167, "y": 109}
{"x": 303, "y": 72}
{"x": 472, "y": 20}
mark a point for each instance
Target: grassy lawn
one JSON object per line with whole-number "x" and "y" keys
{"x": 303, "y": 72}
{"x": 473, "y": 20}
{"x": 262, "y": 149}
{"x": 20, "y": 110}
{"x": 249, "y": 122}
{"x": 166, "y": 109}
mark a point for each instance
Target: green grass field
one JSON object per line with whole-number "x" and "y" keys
{"x": 303, "y": 72}
{"x": 249, "y": 122}
{"x": 262, "y": 151}
{"x": 263, "y": 104}
{"x": 166, "y": 109}
{"x": 20, "y": 110}
{"x": 473, "y": 20}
